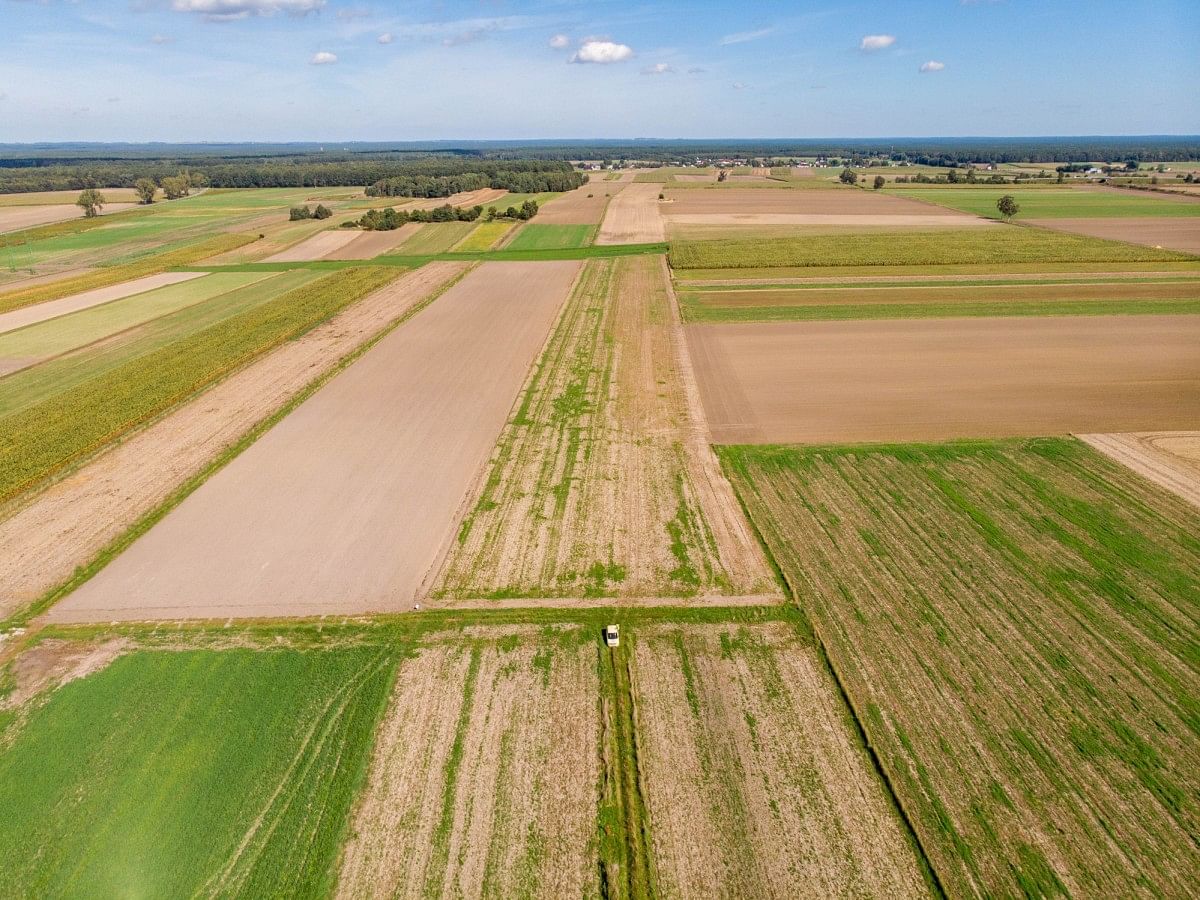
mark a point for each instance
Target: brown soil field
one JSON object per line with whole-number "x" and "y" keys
{"x": 1170, "y": 459}
{"x": 633, "y": 217}
{"x": 696, "y": 179}
{"x": 1170, "y": 233}
{"x": 68, "y": 198}
{"x": 833, "y": 202}
{"x": 923, "y": 222}
{"x": 485, "y": 776}
{"x": 602, "y": 483}
{"x": 68, "y": 524}
{"x": 482, "y": 197}
{"x": 319, "y": 246}
{"x": 40, "y": 312}
{"x": 936, "y": 379}
{"x": 577, "y": 208}
{"x": 755, "y": 781}
{"x": 349, "y": 502}
{"x": 369, "y": 244}
{"x": 16, "y": 218}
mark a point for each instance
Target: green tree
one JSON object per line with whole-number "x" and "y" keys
{"x": 176, "y": 186}
{"x": 879, "y": 182}
{"x": 296, "y": 213}
{"x": 146, "y": 189}
{"x": 1008, "y": 206}
{"x": 91, "y": 202}
{"x": 848, "y": 176}
{"x": 322, "y": 212}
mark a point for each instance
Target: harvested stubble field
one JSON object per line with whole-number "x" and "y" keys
{"x": 16, "y": 218}
{"x": 757, "y": 784}
{"x": 321, "y": 245}
{"x": 766, "y": 303}
{"x": 975, "y": 246}
{"x": 601, "y": 484}
{"x": 935, "y": 379}
{"x": 1178, "y": 233}
{"x": 216, "y": 773}
{"x": 485, "y": 779}
{"x": 436, "y": 237}
{"x": 1015, "y": 624}
{"x": 833, "y": 202}
{"x": 1050, "y": 202}
{"x": 583, "y": 206}
{"x": 28, "y": 315}
{"x": 369, "y": 244}
{"x": 633, "y": 217}
{"x": 350, "y": 501}
{"x": 77, "y": 523}
{"x": 1170, "y": 459}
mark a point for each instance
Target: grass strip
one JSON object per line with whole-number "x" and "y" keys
{"x": 150, "y": 265}
{"x": 44, "y": 439}
{"x": 731, "y": 286}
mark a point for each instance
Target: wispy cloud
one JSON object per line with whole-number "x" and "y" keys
{"x": 742, "y": 37}
{"x": 932, "y": 66}
{"x": 232, "y": 10}
{"x": 658, "y": 69}
{"x": 739, "y": 85}
{"x": 602, "y": 52}
{"x": 161, "y": 39}
{"x": 560, "y": 42}
{"x": 323, "y": 58}
{"x": 386, "y": 38}
{"x": 469, "y": 36}
{"x": 877, "y": 42}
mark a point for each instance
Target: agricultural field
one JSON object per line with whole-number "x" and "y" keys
{"x": 633, "y": 217}
{"x": 436, "y": 237}
{"x": 1177, "y": 233}
{"x": 1051, "y": 203}
{"x": 596, "y": 488}
{"x": 536, "y": 236}
{"x": 1014, "y": 624}
{"x": 483, "y": 236}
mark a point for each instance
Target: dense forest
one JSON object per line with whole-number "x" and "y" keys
{"x": 517, "y": 176}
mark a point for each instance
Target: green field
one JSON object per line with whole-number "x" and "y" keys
{"x": 1015, "y": 624}
{"x": 1047, "y": 203}
{"x": 436, "y": 237}
{"x": 173, "y": 774}
{"x": 483, "y": 236}
{"x": 552, "y": 237}
{"x": 43, "y": 439}
{"x": 982, "y": 246}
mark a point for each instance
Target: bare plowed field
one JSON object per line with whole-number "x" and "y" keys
{"x": 937, "y": 379}
{"x": 346, "y": 504}
{"x": 582, "y": 206}
{"x": 1168, "y": 458}
{"x": 369, "y": 244}
{"x": 756, "y": 784}
{"x": 836, "y": 202}
{"x": 70, "y": 522}
{"x": 1015, "y": 624}
{"x": 485, "y": 776}
{"x": 1174, "y": 233}
{"x": 16, "y": 218}
{"x": 810, "y": 220}
{"x": 633, "y": 217}
{"x": 41, "y": 312}
{"x": 319, "y": 246}
{"x": 602, "y": 484}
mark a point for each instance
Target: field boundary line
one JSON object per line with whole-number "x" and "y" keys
{"x": 143, "y": 524}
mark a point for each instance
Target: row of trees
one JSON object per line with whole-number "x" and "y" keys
{"x": 390, "y": 219}
{"x": 548, "y": 177}
{"x": 297, "y": 213}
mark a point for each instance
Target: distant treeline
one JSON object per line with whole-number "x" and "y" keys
{"x": 515, "y": 176}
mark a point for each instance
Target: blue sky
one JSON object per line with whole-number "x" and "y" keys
{"x": 191, "y": 70}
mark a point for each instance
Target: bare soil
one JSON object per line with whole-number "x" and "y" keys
{"x": 633, "y": 217}
{"x": 906, "y": 220}
{"x": 320, "y": 246}
{"x": 348, "y": 503}
{"x": 16, "y": 218}
{"x": 40, "y": 312}
{"x": 1171, "y": 459}
{"x": 369, "y": 244}
{"x": 1170, "y": 233}
{"x": 934, "y": 379}
{"x": 577, "y": 207}
{"x": 834, "y": 202}
{"x": 70, "y": 522}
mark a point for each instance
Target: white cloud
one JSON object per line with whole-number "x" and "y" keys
{"x": 932, "y": 66}
{"x": 738, "y": 85}
{"x": 741, "y": 37}
{"x": 350, "y": 13}
{"x": 658, "y": 69}
{"x": 877, "y": 42}
{"x": 385, "y": 38}
{"x": 161, "y": 39}
{"x": 323, "y": 58}
{"x": 593, "y": 51}
{"x": 560, "y": 42}
{"x": 232, "y": 10}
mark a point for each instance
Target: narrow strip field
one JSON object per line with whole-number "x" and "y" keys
{"x": 633, "y": 217}
{"x": 16, "y": 218}
{"x": 596, "y": 488}
{"x": 51, "y": 309}
{"x": 1015, "y": 624}
{"x": 76, "y": 522}
{"x": 369, "y": 244}
{"x": 536, "y": 236}
{"x": 347, "y": 504}
{"x": 483, "y": 236}
{"x": 1177, "y": 233}
{"x": 208, "y": 773}
{"x": 757, "y": 784}
{"x": 485, "y": 777}
{"x": 1050, "y": 202}
{"x": 934, "y": 379}
{"x": 832, "y": 202}
{"x": 436, "y": 237}
{"x": 321, "y": 245}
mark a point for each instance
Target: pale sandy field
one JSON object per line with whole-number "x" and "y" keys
{"x": 633, "y": 217}
{"x": 319, "y": 246}
{"x": 1169, "y": 232}
{"x": 369, "y": 244}
{"x": 577, "y": 207}
{"x": 1170, "y": 459}
{"x": 16, "y": 218}
{"x": 40, "y": 312}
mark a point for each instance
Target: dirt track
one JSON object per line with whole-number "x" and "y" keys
{"x": 938, "y": 379}
{"x": 1171, "y": 459}
{"x": 833, "y": 202}
{"x": 346, "y": 504}
{"x": 633, "y": 217}
{"x": 69, "y": 523}
{"x": 40, "y": 312}
{"x": 1171, "y": 233}
{"x": 16, "y": 218}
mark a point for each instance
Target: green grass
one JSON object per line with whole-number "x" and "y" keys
{"x": 436, "y": 237}
{"x": 173, "y": 774}
{"x": 483, "y": 236}
{"x": 149, "y": 265}
{"x": 1047, "y": 203}
{"x": 697, "y": 277}
{"x": 43, "y": 439}
{"x": 533, "y": 236}
{"x": 995, "y": 246}
{"x": 1015, "y": 625}
{"x": 58, "y": 335}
